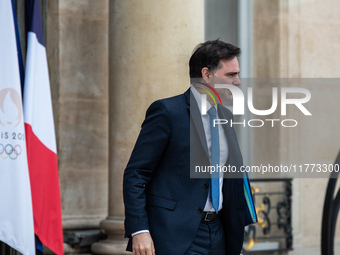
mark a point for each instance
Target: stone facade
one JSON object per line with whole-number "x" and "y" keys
{"x": 109, "y": 59}
{"x": 299, "y": 39}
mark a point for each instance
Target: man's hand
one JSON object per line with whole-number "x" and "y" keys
{"x": 142, "y": 244}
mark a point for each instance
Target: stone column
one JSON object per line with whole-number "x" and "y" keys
{"x": 150, "y": 43}
{"x": 77, "y": 49}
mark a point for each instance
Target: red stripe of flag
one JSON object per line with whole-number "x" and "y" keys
{"x": 43, "y": 171}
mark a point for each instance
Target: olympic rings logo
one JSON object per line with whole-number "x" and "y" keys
{"x": 10, "y": 151}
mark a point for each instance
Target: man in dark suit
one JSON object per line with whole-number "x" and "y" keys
{"x": 166, "y": 210}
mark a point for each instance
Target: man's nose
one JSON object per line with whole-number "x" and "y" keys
{"x": 237, "y": 81}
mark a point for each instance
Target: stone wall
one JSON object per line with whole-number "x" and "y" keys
{"x": 299, "y": 39}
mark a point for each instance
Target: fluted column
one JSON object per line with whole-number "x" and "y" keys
{"x": 150, "y": 46}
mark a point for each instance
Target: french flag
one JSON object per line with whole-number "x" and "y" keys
{"x": 40, "y": 137}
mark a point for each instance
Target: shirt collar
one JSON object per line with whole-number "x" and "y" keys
{"x": 198, "y": 99}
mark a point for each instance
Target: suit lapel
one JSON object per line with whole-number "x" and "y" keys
{"x": 196, "y": 118}
{"x": 231, "y": 137}
{"x": 223, "y": 114}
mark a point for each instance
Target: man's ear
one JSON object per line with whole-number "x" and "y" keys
{"x": 206, "y": 74}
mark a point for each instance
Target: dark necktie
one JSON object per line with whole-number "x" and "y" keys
{"x": 215, "y": 160}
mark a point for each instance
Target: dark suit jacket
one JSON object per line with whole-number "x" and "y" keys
{"x": 159, "y": 194}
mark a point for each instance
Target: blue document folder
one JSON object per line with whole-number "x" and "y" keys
{"x": 251, "y": 216}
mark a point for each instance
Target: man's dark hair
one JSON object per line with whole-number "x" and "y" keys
{"x": 209, "y": 54}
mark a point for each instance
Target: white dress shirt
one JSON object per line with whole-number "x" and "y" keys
{"x": 223, "y": 146}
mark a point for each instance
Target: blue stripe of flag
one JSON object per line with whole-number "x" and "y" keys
{"x": 33, "y": 21}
